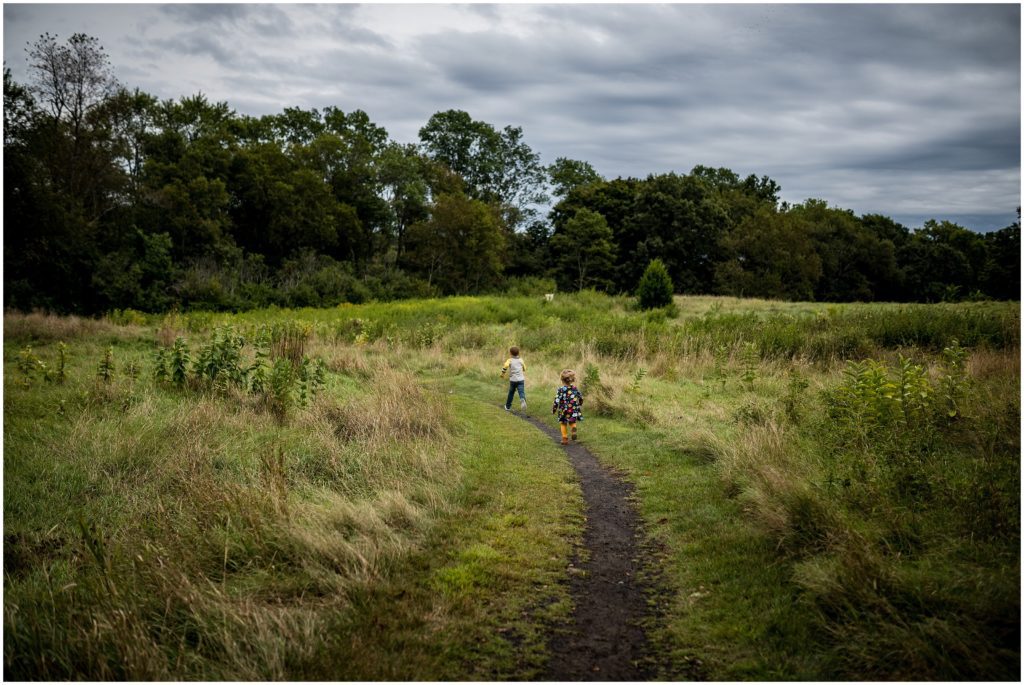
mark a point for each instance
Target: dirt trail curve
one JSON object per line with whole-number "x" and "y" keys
{"x": 605, "y": 640}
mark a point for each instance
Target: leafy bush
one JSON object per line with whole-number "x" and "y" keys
{"x": 877, "y": 399}
{"x": 220, "y": 361}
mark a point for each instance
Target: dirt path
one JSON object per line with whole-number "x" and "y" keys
{"x": 605, "y": 640}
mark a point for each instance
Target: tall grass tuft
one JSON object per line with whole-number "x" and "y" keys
{"x": 393, "y": 409}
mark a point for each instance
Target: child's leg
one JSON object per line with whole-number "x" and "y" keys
{"x": 511, "y": 394}
{"x": 565, "y": 433}
{"x": 522, "y": 394}
{"x": 572, "y": 427}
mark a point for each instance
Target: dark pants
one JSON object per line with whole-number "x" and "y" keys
{"x": 512, "y": 387}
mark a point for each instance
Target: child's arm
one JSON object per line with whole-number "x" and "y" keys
{"x": 504, "y": 369}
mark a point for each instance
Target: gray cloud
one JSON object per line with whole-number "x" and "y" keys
{"x": 206, "y": 14}
{"x": 893, "y": 109}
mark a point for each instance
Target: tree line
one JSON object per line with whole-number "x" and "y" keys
{"x": 114, "y": 198}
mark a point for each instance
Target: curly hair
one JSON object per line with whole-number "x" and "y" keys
{"x": 568, "y": 376}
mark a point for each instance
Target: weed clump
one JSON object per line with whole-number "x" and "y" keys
{"x": 224, "y": 365}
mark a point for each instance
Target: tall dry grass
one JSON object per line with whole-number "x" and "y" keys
{"x": 46, "y": 327}
{"x": 194, "y": 538}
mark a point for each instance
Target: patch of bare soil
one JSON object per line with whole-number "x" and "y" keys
{"x": 605, "y": 639}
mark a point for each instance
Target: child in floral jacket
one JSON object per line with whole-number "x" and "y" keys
{"x": 568, "y": 405}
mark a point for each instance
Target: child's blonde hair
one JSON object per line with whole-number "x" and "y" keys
{"x": 568, "y": 376}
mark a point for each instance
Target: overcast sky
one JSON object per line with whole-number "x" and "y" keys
{"x": 912, "y": 111}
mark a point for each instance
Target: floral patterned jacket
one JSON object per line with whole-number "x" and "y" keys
{"x": 568, "y": 404}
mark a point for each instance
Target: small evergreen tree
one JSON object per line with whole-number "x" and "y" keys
{"x": 655, "y": 287}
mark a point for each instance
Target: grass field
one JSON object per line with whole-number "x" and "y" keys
{"x": 833, "y": 490}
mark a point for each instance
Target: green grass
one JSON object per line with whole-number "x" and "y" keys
{"x": 401, "y": 526}
{"x": 780, "y": 573}
{"x": 611, "y": 327}
{"x": 476, "y": 601}
{"x": 153, "y": 532}
{"x": 729, "y": 617}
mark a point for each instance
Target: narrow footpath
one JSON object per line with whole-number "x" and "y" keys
{"x": 605, "y": 640}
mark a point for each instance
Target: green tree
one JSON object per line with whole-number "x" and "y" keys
{"x": 615, "y": 201}
{"x": 855, "y": 264}
{"x": 680, "y": 220}
{"x": 655, "y": 287}
{"x": 138, "y": 275}
{"x": 295, "y": 127}
{"x": 498, "y": 167}
{"x": 349, "y": 155}
{"x": 20, "y": 112}
{"x": 314, "y": 280}
{"x": 194, "y": 212}
{"x": 62, "y": 182}
{"x": 461, "y": 248}
{"x": 194, "y": 119}
{"x": 529, "y": 251}
{"x": 887, "y": 276}
{"x": 1001, "y": 276}
{"x": 769, "y": 254}
{"x": 285, "y": 207}
{"x": 612, "y": 199}
{"x": 404, "y": 178}
{"x": 886, "y": 228}
{"x": 741, "y": 198}
{"x": 583, "y": 252}
{"x": 131, "y": 116}
{"x": 943, "y": 260}
{"x": 187, "y": 176}
{"x": 568, "y": 174}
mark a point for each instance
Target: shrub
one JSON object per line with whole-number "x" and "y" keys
{"x": 220, "y": 361}
{"x": 655, "y": 287}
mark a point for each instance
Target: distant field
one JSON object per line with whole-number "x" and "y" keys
{"x": 335, "y": 494}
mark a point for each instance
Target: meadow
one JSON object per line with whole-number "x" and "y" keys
{"x": 828, "y": 491}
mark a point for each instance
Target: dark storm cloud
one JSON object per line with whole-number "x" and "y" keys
{"x": 880, "y": 108}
